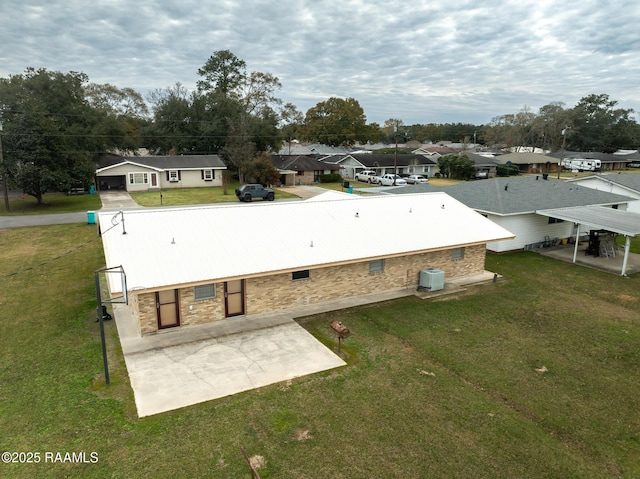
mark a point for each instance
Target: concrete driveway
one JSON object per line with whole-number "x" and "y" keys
{"x": 183, "y": 367}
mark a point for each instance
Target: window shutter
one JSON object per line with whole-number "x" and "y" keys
{"x": 167, "y": 176}
{"x": 202, "y": 174}
{"x": 179, "y": 176}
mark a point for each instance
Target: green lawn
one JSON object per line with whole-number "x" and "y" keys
{"x": 536, "y": 376}
{"x": 52, "y": 203}
{"x": 194, "y": 196}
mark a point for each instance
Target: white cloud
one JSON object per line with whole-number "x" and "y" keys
{"x": 426, "y": 62}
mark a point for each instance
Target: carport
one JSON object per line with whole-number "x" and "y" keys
{"x": 599, "y": 217}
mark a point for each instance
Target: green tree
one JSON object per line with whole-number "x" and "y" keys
{"x": 336, "y": 122}
{"x": 55, "y": 129}
{"x": 261, "y": 170}
{"x": 222, "y": 73}
{"x": 599, "y": 126}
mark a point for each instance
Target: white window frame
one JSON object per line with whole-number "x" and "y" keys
{"x": 208, "y": 175}
{"x": 204, "y": 291}
{"x": 139, "y": 178}
{"x": 173, "y": 176}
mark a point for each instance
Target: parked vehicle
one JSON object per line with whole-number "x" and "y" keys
{"x": 577, "y": 164}
{"x": 416, "y": 179}
{"x": 250, "y": 191}
{"x": 390, "y": 179}
{"x": 365, "y": 176}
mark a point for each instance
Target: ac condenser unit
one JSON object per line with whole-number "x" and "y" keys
{"x": 431, "y": 279}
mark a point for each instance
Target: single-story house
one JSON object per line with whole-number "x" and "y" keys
{"x": 608, "y": 161}
{"x": 620, "y": 184}
{"x": 514, "y": 202}
{"x": 301, "y": 169}
{"x": 408, "y": 164}
{"x": 195, "y": 265}
{"x": 143, "y": 173}
{"x": 529, "y": 162}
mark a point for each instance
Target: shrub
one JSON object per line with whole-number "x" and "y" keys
{"x": 331, "y": 178}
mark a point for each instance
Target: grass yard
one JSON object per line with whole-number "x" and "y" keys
{"x": 194, "y": 196}
{"x": 536, "y": 376}
{"x": 53, "y": 203}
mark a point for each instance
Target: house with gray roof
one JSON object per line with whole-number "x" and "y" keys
{"x": 608, "y": 161}
{"x": 408, "y": 164}
{"x": 301, "y": 169}
{"x": 529, "y": 162}
{"x": 514, "y": 202}
{"x": 618, "y": 183}
{"x": 144, "y": 173}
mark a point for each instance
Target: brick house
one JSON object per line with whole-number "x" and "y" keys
{"x": 301, "y": 169}
{"x": 188, "y": 266}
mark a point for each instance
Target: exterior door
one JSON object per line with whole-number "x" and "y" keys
{"x": 167, "y": 309}
{"x": 234, "y": 298}
{"x": 154, "y": 180}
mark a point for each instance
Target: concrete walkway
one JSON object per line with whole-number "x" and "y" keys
{"x": 185, "y": 366}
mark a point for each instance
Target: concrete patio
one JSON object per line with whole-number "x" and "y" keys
{"x": 609, "y": 264}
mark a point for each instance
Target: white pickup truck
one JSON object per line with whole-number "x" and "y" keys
{"x": 367, "y": 176}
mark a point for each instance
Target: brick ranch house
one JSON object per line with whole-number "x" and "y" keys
{"x": 188, "y": 266}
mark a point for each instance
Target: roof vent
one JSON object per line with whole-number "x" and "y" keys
{"x": 410, "y": 210}
{"x": 506, "y": 187}
{"x": 357, "y": 215}
{"x": 173, "y": 241}
{"x": 442, "y": 206}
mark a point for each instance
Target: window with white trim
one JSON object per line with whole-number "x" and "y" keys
{"x": 457, "y": 253}
{"x": 204, "y": 291}
{"x": 138, "y": 178}
{"x": 208, "y": 175}
{"x": 376, "y": 266}
{"x": 173, "y": 176}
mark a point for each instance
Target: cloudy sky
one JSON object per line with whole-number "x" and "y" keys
{"x": 423, "y": 61}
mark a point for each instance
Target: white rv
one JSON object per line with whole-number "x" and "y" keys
{"x": 580, "y": 164}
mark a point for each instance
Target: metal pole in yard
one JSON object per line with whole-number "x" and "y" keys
{"x": 101, "y": 320}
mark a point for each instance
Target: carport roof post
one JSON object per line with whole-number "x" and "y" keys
{"x": 610, "y": 219}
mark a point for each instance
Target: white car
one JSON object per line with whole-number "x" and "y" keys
{"x": 388, "y": 180}
{"x": 416, "y": 179}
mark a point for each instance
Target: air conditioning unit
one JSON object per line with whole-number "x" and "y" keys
{"x": 431, "y": 279}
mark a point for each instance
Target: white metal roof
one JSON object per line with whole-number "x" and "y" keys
{"x": 622, "y": 222}
{"x": 168, "y": 247}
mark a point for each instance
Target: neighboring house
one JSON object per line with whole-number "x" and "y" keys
{"x": 183, "y": 269}
{"x": 143, "y": 173}
{"x": 513, "y": 203}
{"x": 620, "y": 184}
{"x": 609, "y": 162}
{"x": 308, "y": 149}
{"x": 531, "y": 162}
{"x": 408, "y": 164}
{"x": 485, "y": 164}
{"x": 301, "y": 170}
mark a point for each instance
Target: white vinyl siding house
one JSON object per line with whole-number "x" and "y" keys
{"x": 160, "y": 172}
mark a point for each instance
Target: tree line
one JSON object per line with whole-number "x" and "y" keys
{"x": 57, "y": 125}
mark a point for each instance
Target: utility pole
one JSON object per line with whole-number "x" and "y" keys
{"x": 5, "y": 187}
{"x": 395, "y": 158}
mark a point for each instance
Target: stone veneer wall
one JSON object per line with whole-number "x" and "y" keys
{"x": 279, "y": 291}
